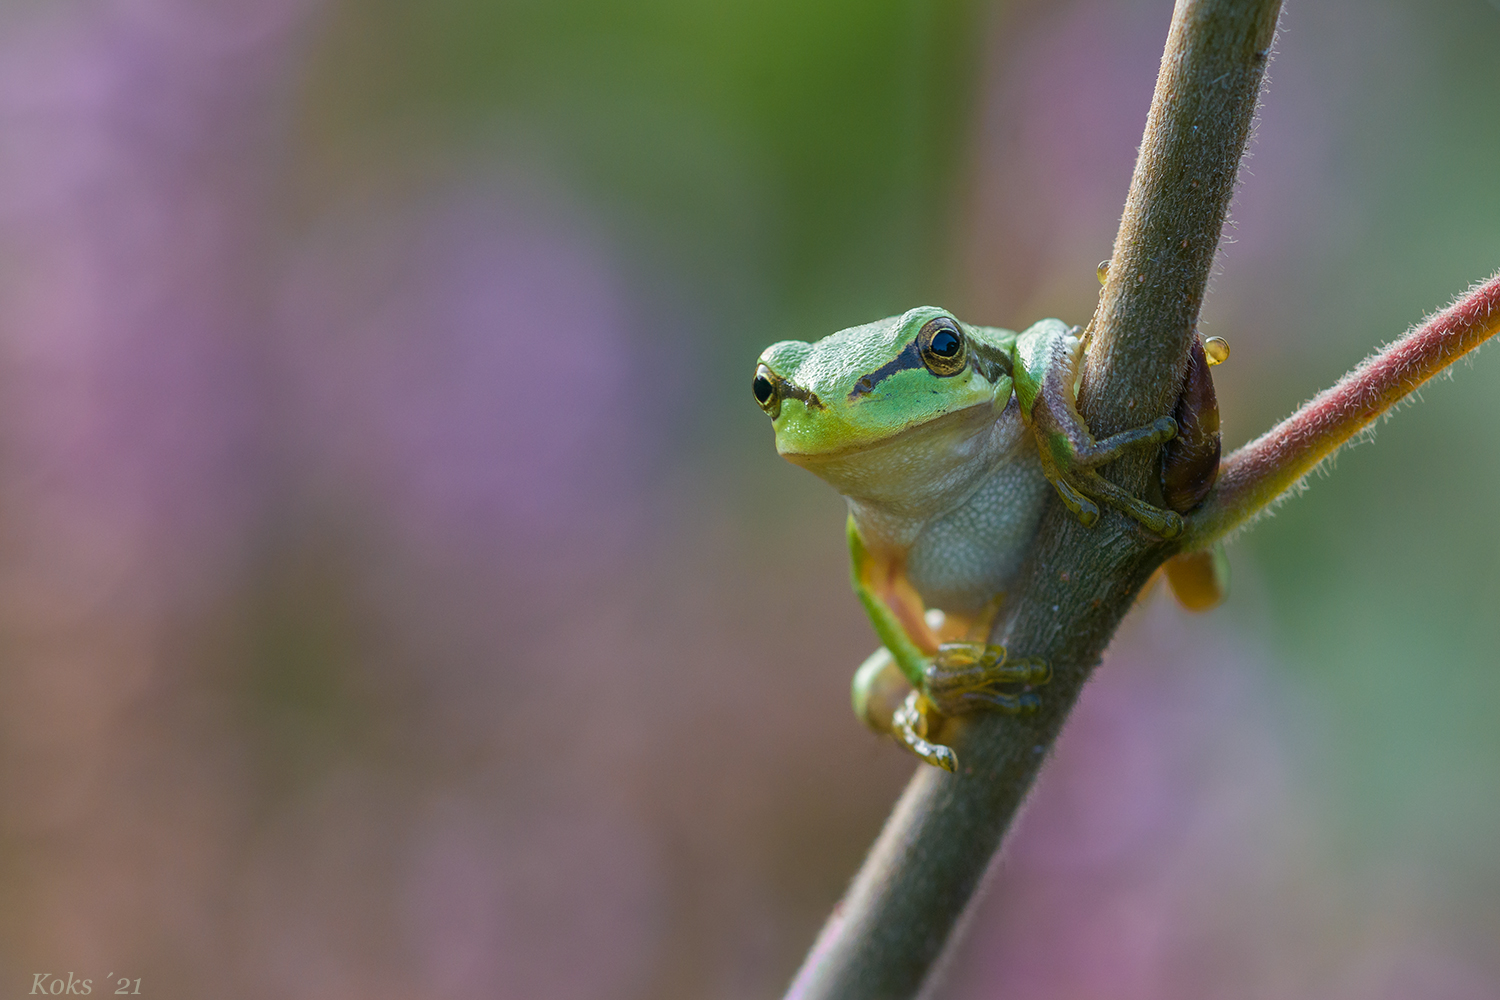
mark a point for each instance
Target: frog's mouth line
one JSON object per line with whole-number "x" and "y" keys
{"x": 950, "y": 424}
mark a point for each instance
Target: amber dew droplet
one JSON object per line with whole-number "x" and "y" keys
{"x": 1216, "y": 349}
{"x": 1102, "y": 271}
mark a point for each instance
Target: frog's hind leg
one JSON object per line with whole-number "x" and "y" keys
{"x": 908, "y": 685}
{"x": 889, "y": 705}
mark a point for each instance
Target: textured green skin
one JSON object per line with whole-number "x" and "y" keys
{"x": 832, "y": 366}
{"x": 966, "y": 451}
{"x": 946, "y": 474}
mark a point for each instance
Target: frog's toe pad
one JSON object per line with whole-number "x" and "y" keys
{"x": 909, "y": 726}
{"x": 1082, "y": 507}
{"x": 966, "y": 677}
{"x": 960, "y": 666}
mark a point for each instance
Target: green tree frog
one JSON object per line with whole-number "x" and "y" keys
{"x": 946, "y": 440}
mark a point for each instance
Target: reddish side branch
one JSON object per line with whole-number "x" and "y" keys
{"x": 1255, "y": 475}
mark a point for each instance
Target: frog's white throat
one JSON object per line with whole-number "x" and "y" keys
{"x": 896, "y": 486}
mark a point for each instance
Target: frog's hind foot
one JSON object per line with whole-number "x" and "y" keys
{"x": 909, "y": 726}
{"x": 966, "y": 677}
{"x": 963, "y": 677}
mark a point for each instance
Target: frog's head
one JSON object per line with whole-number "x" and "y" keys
{"x": 907, "y": 389}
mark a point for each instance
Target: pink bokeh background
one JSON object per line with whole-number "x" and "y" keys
{"x": 401, "y": 596}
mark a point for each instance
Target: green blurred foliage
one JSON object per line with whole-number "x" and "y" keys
{"x": 1381, "y": 580}
{"x": 815, "y": 145}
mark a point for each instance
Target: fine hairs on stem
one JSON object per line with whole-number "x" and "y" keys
{"x": 899, "y": 915}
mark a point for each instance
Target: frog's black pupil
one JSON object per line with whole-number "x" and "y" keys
{"x": 764, "y": 390}
{"x": 945, "y": 343}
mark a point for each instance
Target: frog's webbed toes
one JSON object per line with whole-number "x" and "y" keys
{"x": 887, "y": 704}
{"x": 1071, "y": 456}
{"x": 1082, "y": 489}
{"x": 963, "y": 677}
{"x": 1082, "y": 507}
{"x": 1166, "y": 523}
{"x": 968, "y": 676}
{"x": 1159, "y": 431}
{"x": 909, "y": 726}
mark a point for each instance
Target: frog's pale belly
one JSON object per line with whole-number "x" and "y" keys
{"x": 963, "y": 559}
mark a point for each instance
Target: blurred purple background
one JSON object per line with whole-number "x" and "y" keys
{"x": 402, "y": 596}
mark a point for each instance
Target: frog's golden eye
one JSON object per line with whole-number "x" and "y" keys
{"x": 941, "y": 344}
{"x": 765, "y": 391}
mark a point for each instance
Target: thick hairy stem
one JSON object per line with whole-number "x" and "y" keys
{"x": 1257, "y": 475}
{"x": 899, "y": 914}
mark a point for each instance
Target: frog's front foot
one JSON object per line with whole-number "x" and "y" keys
{"x": 963, "y": 677}
{"x": 1071, "y": 468}
{"x": 1070, "y": 454}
